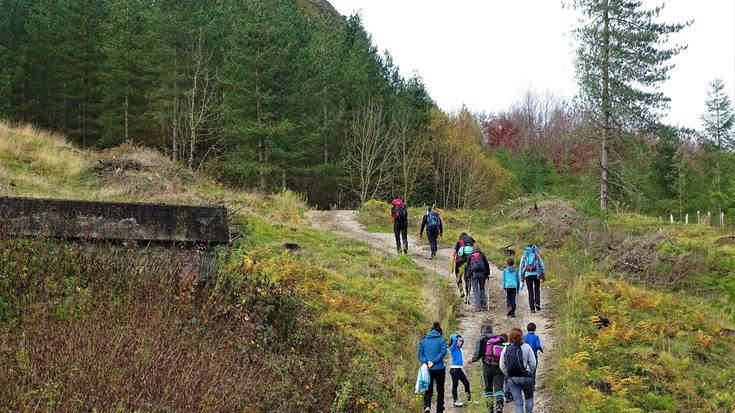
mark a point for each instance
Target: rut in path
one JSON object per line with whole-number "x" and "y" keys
{"x": 345, "y": 222}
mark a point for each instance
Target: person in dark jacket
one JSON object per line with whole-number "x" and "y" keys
{"x": 399, "y": 218}
{"x": 460, "y": 257}
{"x": 431, "y": 352}
{"x": 479, "y": 270}
{"x": 434, "y": 229}
{"x": 492, "y": 375}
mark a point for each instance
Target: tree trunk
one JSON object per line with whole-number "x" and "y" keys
{"x": 604, "y": 161}
{"x": 324, "y": 123}
{"x": 127, "y": 123}
{"x": 262, "y": 155}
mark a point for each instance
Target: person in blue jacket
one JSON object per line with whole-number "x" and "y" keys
{"x": 533, "y": 340}
{"x": 532, "y": 271}
{"x": 455, "y": 370}
{"x": 512, "y": 285}
{"x": 431, "y": 352}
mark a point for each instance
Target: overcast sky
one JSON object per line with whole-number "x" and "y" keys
{"x": 485, "y": 53}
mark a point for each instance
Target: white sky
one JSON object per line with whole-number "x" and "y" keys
{"x": 485, "y": 53}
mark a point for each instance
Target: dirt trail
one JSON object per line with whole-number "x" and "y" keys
{"x": 345, "y": 222}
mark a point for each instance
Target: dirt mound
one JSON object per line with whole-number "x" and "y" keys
{"x": 557, "y": 219}
{"x": 134, "y": 172}
{"x": 639, "y": 254}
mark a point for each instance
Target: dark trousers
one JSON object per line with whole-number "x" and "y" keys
{"x": 400, "y": 229}
{"x": 459, "y": 276}
{"x": 478, "y": 284}
{"x": 510, "y": 294}
{"x": 534, "y": 292}
{"x": 457, "y": 376}
{"x": 437, "y": 377}
{"x": 494, "y": 379}
{"x": 432, "y": 234}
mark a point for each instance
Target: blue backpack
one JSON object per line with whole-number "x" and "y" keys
{"x": 530, "y": 258}
{"x": 433, "y": 220}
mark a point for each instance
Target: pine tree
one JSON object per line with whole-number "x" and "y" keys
{"x": 718, "y": 123}
{"x": 81, "y": 46}
{"x": 124, "y": 72}
{"x": 260, "y": 75}
{"x": 621, "y": 61}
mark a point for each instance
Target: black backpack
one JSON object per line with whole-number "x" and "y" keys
{"x": 514, "y": 362}
{"x": 400, "y": 214}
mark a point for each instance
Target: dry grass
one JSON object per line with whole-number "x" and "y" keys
{"x": 41, "y": 149}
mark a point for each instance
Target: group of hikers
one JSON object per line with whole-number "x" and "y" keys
{"x": 509, "y": 363}
{"x": 471, "y": 267}
{"x": 509, "y": 360}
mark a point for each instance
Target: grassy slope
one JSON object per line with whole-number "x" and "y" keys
{"x": 669, "y": 343}
{"x": 357, "y": 315}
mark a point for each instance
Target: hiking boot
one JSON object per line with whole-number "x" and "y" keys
{"x": 538, "y": 308}
{"x": 427, "y": 409}
{"x": 533, "y": 310}
{"x": 457, "y": 403}
{"x": 513, "y": 314}
{"x": 509, "y": 313}
{"x": 469, "y": 397}
{"x": 405, "y": 250}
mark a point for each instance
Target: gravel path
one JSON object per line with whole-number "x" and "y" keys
{"x": 345, "y": 222}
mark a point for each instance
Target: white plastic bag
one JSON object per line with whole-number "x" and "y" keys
{"x": 423, "y": 379}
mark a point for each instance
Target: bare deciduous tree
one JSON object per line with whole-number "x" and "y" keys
{"x": 409, "y": 150}
{"x": 200, "y": 99}
{"x": 368, "y": 152}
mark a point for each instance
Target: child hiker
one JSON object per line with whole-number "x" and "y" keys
{"x": 455, "y": 349}
{"x": 533, "y": 340}
{"x": 512, "y": 285}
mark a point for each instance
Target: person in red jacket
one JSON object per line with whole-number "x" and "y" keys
{"x": 399, "y": 218}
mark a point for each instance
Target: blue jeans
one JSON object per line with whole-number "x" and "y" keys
{"x": 522, "y": 390}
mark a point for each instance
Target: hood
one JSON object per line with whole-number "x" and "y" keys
{"x": 433, "y": 334}
{"x": 454, "y": 338}
{"x": 528, "y": 251}
{"x": 397, "y": 202}
{"x": 511, "y": 269}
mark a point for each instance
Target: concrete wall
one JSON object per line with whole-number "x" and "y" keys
{"x": 113, "y": 220}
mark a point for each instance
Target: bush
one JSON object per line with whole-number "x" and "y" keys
{"x": 92, "y": 326}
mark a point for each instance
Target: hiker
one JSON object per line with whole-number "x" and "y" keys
{"x": 399, "y": 218}
{"x": 534, "y": 341}
{"x": 462, "y": 249}
{"x": 434, "y": 229}
{"x": 479, "y": 270}
{"x": 532, "y": 271}
{"x": 519, "y": 365}
{"x": 431, "y": 352}
{"x": 456, "y": 369}
{"x": 488, "y": 349}
{"x": 512, "y": 285}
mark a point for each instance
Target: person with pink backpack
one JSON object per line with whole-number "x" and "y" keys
{"x": 489, "y": 347}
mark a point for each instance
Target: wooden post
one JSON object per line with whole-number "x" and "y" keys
{"x": 722, "y": 220}
{"x": 660, "y": 218}
{"x": 686, "y": 219}
{"x": 671, "y": 218}
{"x": 698, "y": 222}
{"x": 709, "y": 217}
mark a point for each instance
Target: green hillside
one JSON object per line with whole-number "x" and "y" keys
{"x": 330, "y": 327}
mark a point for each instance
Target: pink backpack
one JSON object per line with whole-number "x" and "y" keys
{"x": 493, "y": 347}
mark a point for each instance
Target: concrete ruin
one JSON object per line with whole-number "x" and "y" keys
{"x": 114, "y": 221}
